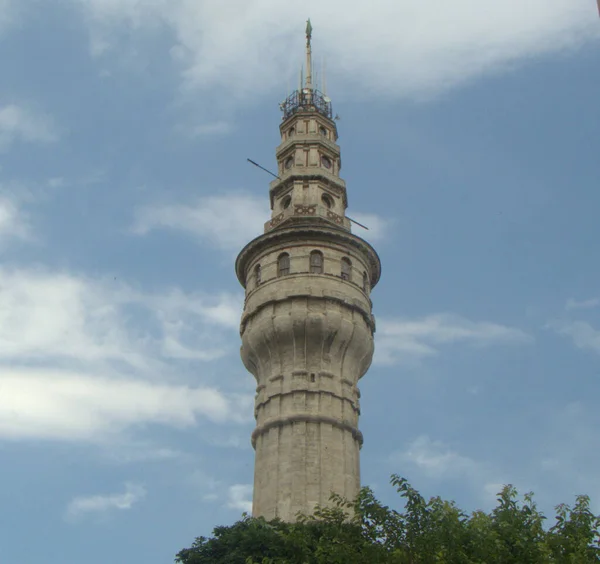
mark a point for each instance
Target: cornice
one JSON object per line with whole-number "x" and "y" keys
{"x": 302, "y": 139}
{"x": 299, "y": 231}
{"x": 308, "y": 174}
{"x": 304, "y": 114}
{"x": 305, "y": 418}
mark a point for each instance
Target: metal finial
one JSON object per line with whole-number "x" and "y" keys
{"x": 308, "y": 55}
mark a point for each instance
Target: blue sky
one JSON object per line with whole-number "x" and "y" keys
{"x": 469, "y": 134}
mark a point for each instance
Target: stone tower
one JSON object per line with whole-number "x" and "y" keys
{"x": 307, "y": 327}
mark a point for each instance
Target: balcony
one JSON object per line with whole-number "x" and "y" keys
{"x": 308, "y": 211}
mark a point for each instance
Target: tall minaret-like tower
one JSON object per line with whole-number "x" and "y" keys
{"x": 307, "y": 327}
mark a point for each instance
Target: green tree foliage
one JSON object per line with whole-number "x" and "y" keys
{"x": 424, "y": 532}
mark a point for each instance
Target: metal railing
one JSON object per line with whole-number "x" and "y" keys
{"x": 305, "y": 100}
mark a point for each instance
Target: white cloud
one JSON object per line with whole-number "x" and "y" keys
{"x": 228, "y": 222}
{"x": 20, "y": 124}
{"x": 237, "y": 496}
{"x": 436, "y": 460}
{"x": 51, "y": 404}
{"x": 81, "y": 359}
{"x": 491, "y": 491}
{"x": 129, "y": 451}
{"x": 400, "y": 340}
{"x": 57, "y": 182}
{"x": 6, "y": 14}
{"x": 569, "y": 452}
{"x": 216, "y": 128}
{"x": 80, "y": 506}
{"x": 396, "y": 47}
{"x": 60, "y": 316}
{"x": 378, "y": 227}
{"x": 13, "y": 222}
{"x": 573, "y": 304}
{"x": 583, "y": 335}
{"x": 207, "y": 129}
{"x": 240, "y": 497}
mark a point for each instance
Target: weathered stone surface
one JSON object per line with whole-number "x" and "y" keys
{"x": 307, "y": 331}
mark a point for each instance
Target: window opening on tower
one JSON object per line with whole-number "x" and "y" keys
{"x": 365, "y": 282}
{"x": 283, "y": 264}
{"x": 316, "y": 262}
{"x": 346, "y": 269}
{"x": 257, "y": 274}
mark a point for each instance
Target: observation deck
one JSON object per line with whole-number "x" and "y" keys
{"x": 306, "y": 99}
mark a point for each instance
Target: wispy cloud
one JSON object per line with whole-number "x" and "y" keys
{"x": 52, "y": 404}
{"x": 208, "y": 129}
{"x": 102, "y": 504}
{"x": 240, "y": 497}
{"x": 583, "y": 335}
{"x": 378, "y": 227}
{"x": 573, "y": 304}
{"x": 80, "y": 359}
{"x": 401, "y": 339}
{"x": 61, "y": 316}
{"x": 436, "y": 459}
{"x": 14, "y": 223}
{"x": 570, "y": 451}
{"x": 6, "y": 14}
{"x": 216, "y": 128}
{"x": 21, "y": 124}
{"x": 222, "y": 48}
{"x": 228, "y": 222}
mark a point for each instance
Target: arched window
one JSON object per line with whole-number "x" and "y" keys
{"x": 283, "y": 264}
{"x": 346, "y": 269}
{"x": 365, "y": 282}
{"x": 316, "y": 262}
{"x": 257, "y": 274}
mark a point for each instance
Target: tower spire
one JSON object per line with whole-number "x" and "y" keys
{"x": 308, "y": 55}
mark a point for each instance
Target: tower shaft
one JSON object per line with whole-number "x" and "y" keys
{"x": 307, "y": 327}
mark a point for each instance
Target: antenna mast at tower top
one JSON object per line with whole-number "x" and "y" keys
{"x": 307, "y": 97}
{"x": 308, "y": 83}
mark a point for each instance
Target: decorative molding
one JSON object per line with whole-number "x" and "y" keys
{"x": 276, "y": 220}
{"x": 307, "y": 232}
{"x": 367, "y": 316}
{"x": 306, "y": 418}
{"x": 259, "y": 404}
{"x": 300, "y": 209}
{"x": 335, "y": 217}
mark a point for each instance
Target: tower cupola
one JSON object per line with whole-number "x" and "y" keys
{"x": 308, "y": 159}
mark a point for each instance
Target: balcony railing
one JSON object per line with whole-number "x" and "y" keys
{"x": 306, "y": 100}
